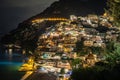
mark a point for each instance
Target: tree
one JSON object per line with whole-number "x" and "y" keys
{"x": 80, "y": 48}
{"x": 114, "y": 57}
{"x": 114, "y": 10}
{"x": 62, "y": 71}
{"x": 76, "y": 62}
{"x": 97, "y": 50}
{"x": 118, "y": 38}
{"x": 110, "y": 46}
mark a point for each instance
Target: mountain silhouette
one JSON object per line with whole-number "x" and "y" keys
{"x": 26, "y": 34}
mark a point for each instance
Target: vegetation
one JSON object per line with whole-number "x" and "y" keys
{"x": 114, "y": 57}
{"x": 114, "y": 10}
{"x": 76, "y": 62}
{"x": 80, "y": 47}
{"x": 98, "y": 72}
{"x": 62, "y": 71}
{"x": 102, "y": 70}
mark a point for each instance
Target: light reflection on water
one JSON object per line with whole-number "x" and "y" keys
{"x": 10, "y": 66}
{"x": 10, "y": 62}
{"x": 11, "y": 55}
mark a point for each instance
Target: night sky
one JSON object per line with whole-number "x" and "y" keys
{"x": 13, "y": 12}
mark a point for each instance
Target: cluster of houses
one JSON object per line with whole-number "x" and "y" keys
{"x": 57, "y": 45}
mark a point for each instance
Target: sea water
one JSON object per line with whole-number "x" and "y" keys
{"x": 10, "y": 62}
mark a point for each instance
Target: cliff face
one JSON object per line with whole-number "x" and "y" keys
{"x": 26, "y": 34}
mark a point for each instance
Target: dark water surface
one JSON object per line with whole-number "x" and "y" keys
{"x": 10, "y": 62}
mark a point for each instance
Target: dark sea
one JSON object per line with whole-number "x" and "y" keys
{"x": 10, "y": 62}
